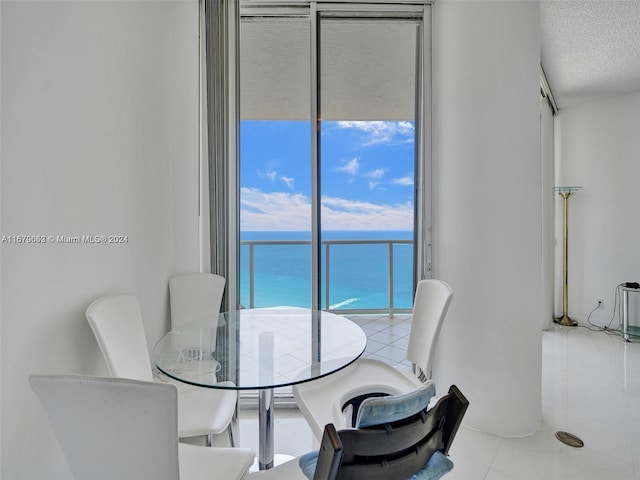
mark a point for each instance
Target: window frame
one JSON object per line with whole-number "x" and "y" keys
{"x": 423, "y": 188}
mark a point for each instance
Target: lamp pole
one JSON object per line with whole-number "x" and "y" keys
{"x": 565, "y": 193}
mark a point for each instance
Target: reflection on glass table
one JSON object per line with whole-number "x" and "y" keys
{"x": 260, "y": 349}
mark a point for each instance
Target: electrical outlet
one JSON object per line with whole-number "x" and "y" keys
{"x": 600, "y": 304}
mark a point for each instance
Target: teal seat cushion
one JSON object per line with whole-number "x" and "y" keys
{"x": 308, "y": 463}
{"x": 391, "y": 408}
{"x": 435, "y": 468}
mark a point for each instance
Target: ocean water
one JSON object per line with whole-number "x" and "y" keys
{"x": 358, "y": 274}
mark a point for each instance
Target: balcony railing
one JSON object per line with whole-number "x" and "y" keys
{"x": 389, "y": 309}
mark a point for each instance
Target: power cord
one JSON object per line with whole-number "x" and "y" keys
{"x": 616, "y": 306}
{"x": 607, "y": 328}
{"x": 593, "y": 324}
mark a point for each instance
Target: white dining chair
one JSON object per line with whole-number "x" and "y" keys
{"x": 194, "y": 296}
{"x": 116, "y": 322}
{"x": 322, "y": 401}
{"x": 114, "y": 428}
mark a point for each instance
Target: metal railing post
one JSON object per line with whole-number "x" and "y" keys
{"x": 390, "y": 279}
{"x": 326, "y": 275}
{"x": 251, "y": 276}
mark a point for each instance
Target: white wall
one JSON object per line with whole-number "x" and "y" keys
{"x": 599, "y": 149}
{"x": 99, "y": 136}
{"x": 488, "y": 221}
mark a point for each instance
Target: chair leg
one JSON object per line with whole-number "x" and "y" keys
{"x": 232, "y": 439}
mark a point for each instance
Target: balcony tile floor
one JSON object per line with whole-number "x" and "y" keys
{"x": 591, "y": 387}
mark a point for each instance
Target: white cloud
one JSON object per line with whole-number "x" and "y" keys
{"x": 378, "y": 173}
{"x": 289, "y": 211}
{"x": 350, "y": 166}
{"x": 269, "y": 174}
{"x": 383, "y": 132}
{"x": 341, "y": 214}
{"x": 373, "y": 185}
{"x": 403, "y": 181}
{"x": 274, "y": 211}
{"x": 289, "y": 181}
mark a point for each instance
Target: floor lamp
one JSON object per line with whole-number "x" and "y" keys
{"x": 565, "y": 193}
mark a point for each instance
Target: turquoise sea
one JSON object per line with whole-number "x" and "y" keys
{"x": 358, "y": 274}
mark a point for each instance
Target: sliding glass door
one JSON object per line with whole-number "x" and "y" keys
{"x": 333, "y": 168}
{"x": 368, "y": 67}
{"x": 275, "y": 170}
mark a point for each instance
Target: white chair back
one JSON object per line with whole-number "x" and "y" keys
{"x": 430, "y": 305}
{"x": 194, "y": 296}
{"x": 112, "y": 428}
{"x": 116, "y": 322}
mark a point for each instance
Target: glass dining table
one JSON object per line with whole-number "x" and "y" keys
{"x": 260, "y": 349}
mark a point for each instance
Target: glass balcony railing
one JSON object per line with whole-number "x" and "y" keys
{"x": 357, "y": 276}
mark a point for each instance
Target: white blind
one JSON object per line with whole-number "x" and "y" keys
{"x": 275, "y": 68}
{"x": 367, "y": 68}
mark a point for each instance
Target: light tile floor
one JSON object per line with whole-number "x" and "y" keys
{"x": 591, "y": 387}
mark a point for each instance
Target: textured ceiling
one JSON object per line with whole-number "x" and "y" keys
{"x": 590, "y": 48}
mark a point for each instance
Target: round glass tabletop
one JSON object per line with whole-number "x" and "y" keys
{"x": 259, "y": 348}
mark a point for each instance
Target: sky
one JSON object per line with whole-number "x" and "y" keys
{"x": 366, "y": 175}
